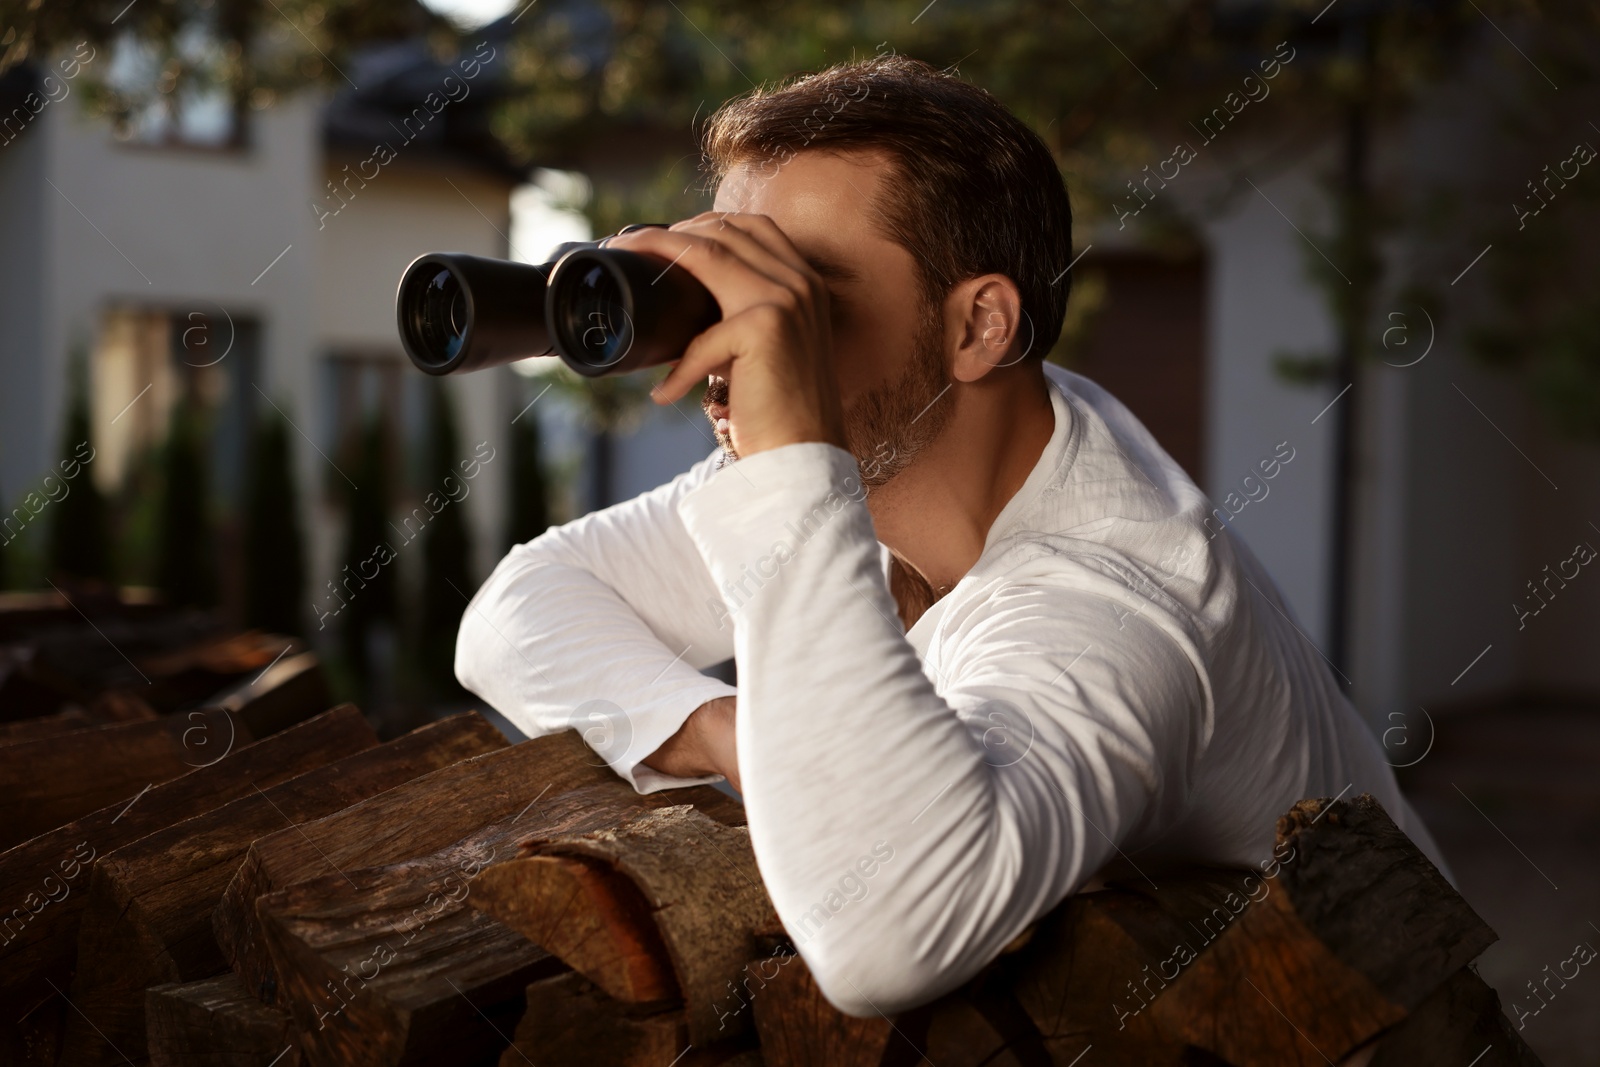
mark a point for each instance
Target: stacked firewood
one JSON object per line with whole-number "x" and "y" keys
{"x": 279, "y": 887}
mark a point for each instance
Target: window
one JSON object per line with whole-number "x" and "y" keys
{"x": 146, "y": 358}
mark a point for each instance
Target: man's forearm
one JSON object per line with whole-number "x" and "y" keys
{"x": 704, "y": 745}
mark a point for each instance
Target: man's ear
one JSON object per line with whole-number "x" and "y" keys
{"x": 984, "y": 315}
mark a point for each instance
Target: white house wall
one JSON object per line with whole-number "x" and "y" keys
{"x": 29, "y": 386}
{"x": 407, "y": 210}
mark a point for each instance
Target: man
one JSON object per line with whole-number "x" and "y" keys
{"x": 989, "y": 637}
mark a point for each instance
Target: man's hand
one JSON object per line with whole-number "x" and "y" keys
{"x": 703, "y": 745}
{"x": 774, "y": 344}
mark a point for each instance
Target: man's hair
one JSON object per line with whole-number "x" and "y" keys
{"x": 977, "y": 191}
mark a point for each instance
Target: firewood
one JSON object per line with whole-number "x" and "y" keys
{"x": 700, "y": 880}
{"x": 283, "y": 694}
{"x": 45, "y": 726}
{"x": 54, "y": 780}
{"x": 571, "y": 1023}
{"x": 377, "y": 969}
{"x": 224, "y": 654}
{"x": 592, "y": 918}
{"x": 48, "y": 877}
{"x": 147, "y": 920}
{"x": 1092, "y": 967}
{"x": 797, "y": 1025}
{"x": 523, "y": 780}
{"x": 1046, "y": 999}
{"x": 1357, "y": 930}
{"x": 80, "y": 659}
{"x": 1459, "y": 1023}
{"x": 216, "y": 1023}
{"x": 40, "y": 946}
{"x": 394, "y": 949}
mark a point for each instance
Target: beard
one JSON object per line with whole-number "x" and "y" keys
{"x": 888, "y": 427}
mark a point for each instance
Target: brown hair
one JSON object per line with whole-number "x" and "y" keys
{"x": 979, "y": 192}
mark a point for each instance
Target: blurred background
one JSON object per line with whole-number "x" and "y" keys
{"x": 1361, "y": 235}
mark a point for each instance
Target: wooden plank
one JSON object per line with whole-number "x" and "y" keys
{"x": 395, "y": 950}
{"x": 216, "y": 1023}
{"x": 147, "y": 920}
{"x": 701, "y": 882}
{"x": 54, "y": 780}
{"x": 1359, "y": 928}
{"x": 46, "y": 880}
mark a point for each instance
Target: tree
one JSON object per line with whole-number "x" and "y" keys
{"x": 446, "y": 549}
{"x": 186, "y": 568}
{"x": 367, "y": 582}
{"x": 80, "y": 523}
{"x": 275, "y": 570}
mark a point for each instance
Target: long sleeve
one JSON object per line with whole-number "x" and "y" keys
{"x": 602, "y": 625}
{"x": 908, "y": 824}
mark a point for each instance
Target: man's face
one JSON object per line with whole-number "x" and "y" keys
{"x": 887, "y": 341}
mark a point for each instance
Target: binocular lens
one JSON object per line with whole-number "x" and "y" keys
{"x": 595, "y": 325}
{"x": 603, "y": 310}
{"x": 438, "y": 307}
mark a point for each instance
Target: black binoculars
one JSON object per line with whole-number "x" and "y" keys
{"x": 602, "y": 310}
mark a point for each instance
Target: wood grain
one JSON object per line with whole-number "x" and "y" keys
{"x": 396, "y": 950}
{"x": 701, "y": 881}
{"x": 147, "y": 920}
{"x": 216, "y": 1023}
{"x": 46, "y": 880}
{"x": 54, "y": 780}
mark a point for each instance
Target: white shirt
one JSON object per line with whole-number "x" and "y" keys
{"x": 1114, "y": 680}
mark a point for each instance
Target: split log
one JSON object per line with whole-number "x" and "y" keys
{"x": 394, "y": 950}
{"x": 283, "y": 694}
{"x": 216, "y": 1023}
{"x": 700, "y": 881}
{"x": 83, "y": 661}
{"x": 374, "y": 971}
{"x": 54, "y": 780}
{"x": 571, "y": 1023}
{"x": 593, "y": 919}
{"x": 1460, "y": 1023}
{"x": 522, "y": 783}
{"x": 1034, "y": 1006}
{"x": 1054, "y": 992}
{"x": 799, "y": 1028}
{"x": 1089, "y": 970}
{"x": 49, "y": 876}
{"x": 147, "y": 920}
{"x": 1358, "y": 929}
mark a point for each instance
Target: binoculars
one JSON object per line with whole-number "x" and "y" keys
{"x": 602, "y": 310}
